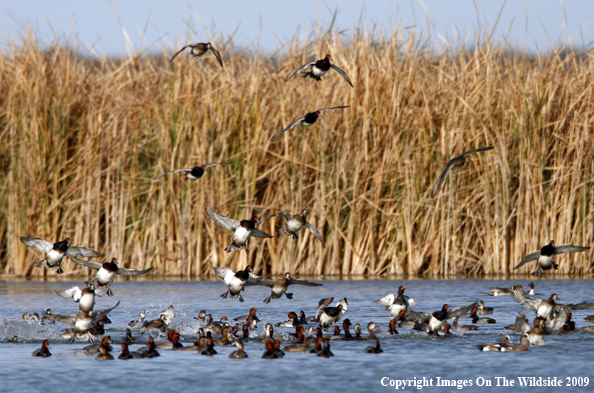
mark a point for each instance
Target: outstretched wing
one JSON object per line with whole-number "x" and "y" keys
{"x": 179, "y": 51}
{"x": 131, "y": 272}
{"x": 38, "y": 244}
{"x": 177, "y": 170}
{"x": 285, "y": 215}
{"x": 476, "y": 151}
{"x": 313, "y": 230}
{"x": 518, "y": 294}
{"x": 322, "y": 305}
{"x": 226, "y": 222}
{"x": 82, "y": 262}
{"x": 224, "y": 274}
{"x": 217, "y": 55}
{"x": 217, "y": 163}
{"x": 441, "y": 178}
{"x": 306, "y": 283}
{"x": 266, "y": 283}
{"x": 335, "y": 107}
{"x": 293, "y": 124}
{"x": 71, "y": 293}
{"x": 456, "y": 312}
{"x": 569, "y": 248}
{"x": 68, "y": 318}
{"x": 522, "y": 325}
{"x": 342, "y": 73}
{"x": 100, "y": 314}
{"x": 83, "y": 252}
{"x": 261, "y": 234}
{"x": 387, "y": 300}
{"x": 308, "y": 63}
{"x": 421, "y": 317}
{"x": 529, "y": 258}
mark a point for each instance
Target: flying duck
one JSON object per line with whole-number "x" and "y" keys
{"x": 242, "y": 230}
{"x": 294, "y": 224}
{"x": 193, "y": 173}
{"x": 306, "y": 120}
{"x": 54, "y": 253}
{"x": 280, "y": 286}
{"x": 199, "y": 50}
{"x": 546, "y": 256}
{"x": 318, "y": 69}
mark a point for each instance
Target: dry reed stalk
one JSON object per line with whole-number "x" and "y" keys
{"x": 81, "y": 140}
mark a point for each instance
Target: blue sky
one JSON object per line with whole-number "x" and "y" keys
{"x": 120, "y": 27}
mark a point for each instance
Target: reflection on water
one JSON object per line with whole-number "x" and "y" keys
{"x": 407, "y": 356}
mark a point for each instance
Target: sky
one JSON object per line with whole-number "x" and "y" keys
{"x": 124, "y": 27}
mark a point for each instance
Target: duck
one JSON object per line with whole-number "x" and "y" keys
{"x": 202, "y": 317}
{"x": 326, "y": 315}
{"x": 192, "y": 173}
{"x": 390, "y": 330}
{"x": 306, "y": 120}
{"x": 454, "y": 163}
{"x": 106, "y": 273}
{"x": 482, "y": 310}
{"x": 199, "y": 49}
{"x": 496, "y": 291}
{"x": 150, "y": 352}
{"x": 404, "y": 322}
{"x": 395, "y": 304}
{"x": 537, "y": 333}
{"x": 494, "y": 346}
{"x": 297, "y": 221}
{"x": 464, "y": 328}
{"x": 239, "y": 354}
{"x": 158, "y": 324}
{"x": 476, "y": 319}
{"x": 291, "y": 322}
{"x": 140, "y": 320}
{"x": 280, "y": 286}
{"x": 252, "y": 313}
{"x": 242, "y": 230}
{"x": 270, "y": 353}
{"x": 375, "y": 348}
{"x": 26, "y": 316}
{"x": 104, "y": 355}
{"x": 277, "y": 349}
{"x": 168, "y": 342}
{"x": 268, "y": 334}
{"x": 542, "y": 307}
{"x": 84, "y": 322}
{"x": 55, "y": 253}
{"x": 325, "y": 352}
{"x": 305, "y": 320}
{"x": 43, "y": 352}
{"x": 84, "y": 297}
{"x": 129, "y": 339}
{"x": 300, "y": 347}
{"x": 522, "y": 347}
{"x": 95, "y": 347}
{"x": 318, "y": 69}
{"x": 126, "y": 354}
{"x": 435, "y": 321}
{"x": 358, "y": 335}
{"x": 235, "y": 281}
{"x": 318, "y": 347}
{"x": 589, "y": 318}
{"x": 546, "y": 256}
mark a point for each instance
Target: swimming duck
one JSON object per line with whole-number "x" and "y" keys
{"x": 95, "y": 347}
{"x": 305, "y": 320}
{"x": 242, "y": 230}
{"x": 476, "y": 319}
{"x": 494, "y": 346}
{"x": 454, "y": 163}
{"x": 546, "y": 256}
{"x": 482, "y": 310}
{"x": 243, "y": 318}
{"x": 496, "y": 291}
{"x": 44, "y": 351}
{"x": 126, "y": 354}
{"x": 306, "y": 121}
{"x": 239, "y": 354}
{"x": 106, "y": 273}
{"x": 104, "y": 355}
{"x": 325, "y": 352}
{"x": 318, "y": 69}
{"x": 464, "y": 328}
{"x": 235, "y": 281}
{"x": 522, "y": 347}
{"x": 199, "y": 50}
{"x": 129, "y": 339}
{"x": 193, "y": 173}
{"x": 280, "y": 286}
{"x": 54, "y": 253}
{"x": 375, "y": 348}
{"x": 437, "y": 320}
{"x": 300, "y": 347}
{"x": 150, "y": 352}
{"x": 270, "y": 352}
{"x": 291, "y": 322}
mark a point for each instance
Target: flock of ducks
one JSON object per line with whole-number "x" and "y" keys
{"x": 551, "y": 317}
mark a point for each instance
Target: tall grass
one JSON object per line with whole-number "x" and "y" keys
{"x": 81, "y": 140}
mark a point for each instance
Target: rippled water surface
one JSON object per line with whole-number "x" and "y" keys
{"x": 407, "y": 356}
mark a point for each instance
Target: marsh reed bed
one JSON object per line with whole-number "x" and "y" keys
{"x": 82, "y": 138}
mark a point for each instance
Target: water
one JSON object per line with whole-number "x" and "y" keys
{"x": 407, "y": 356}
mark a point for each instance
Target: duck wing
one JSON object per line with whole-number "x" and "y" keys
{"x": 456, "y": 312}
{"x": 522, "y": 325}
{"x": 308, "y": 63}
{"x": 71, "y": 293}
{"x": 97, "y": 315}
{"x": 83, "y": 252}
{"x": 321, "y": 306}
{"x": 179, "y": 51}
{"x": 315, "y": 232}
{"x": 38, "y": 244}
{"x": 342, "y": 73}
{"x": 528, "y": 258}
{"x": 306, "y": 283}
{"x": 218, "y": 163}
{"x": 132, "y": 272}
{"x": 226, "y": 222}
{"x": 282, "y": 214}
{"x": 293, "y": 124}
{"x": 82, "y": 262}
{"x": 266, "y": 283}
{"x": 335, "y": 107}
{"x": 475, "y": 151}
{"x": 387, "y": 300}
{"x": 224, "y": 274}
{"x": 530, "y": 304}
{"x": 176, "y": 170}
{"x": 441, "y": 178}
{"x": 569, "y": 248}
{"x": 217, "y": 55}
{"x": 261, "y": 234}
{"x": 421, "y": 317}
{"x": 67, "y": 318}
